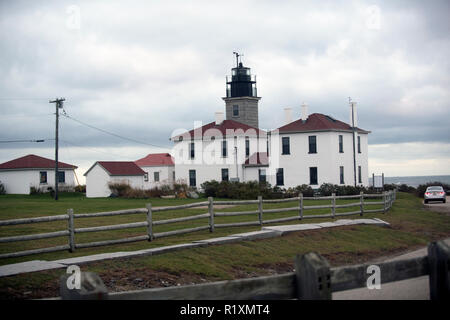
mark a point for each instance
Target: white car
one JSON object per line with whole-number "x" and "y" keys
{"x": 434, "y": 193}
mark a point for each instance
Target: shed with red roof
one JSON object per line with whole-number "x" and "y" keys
{"x": 34, "y": 173}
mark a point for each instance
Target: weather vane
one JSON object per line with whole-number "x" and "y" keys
{"x": 237, "y": 58}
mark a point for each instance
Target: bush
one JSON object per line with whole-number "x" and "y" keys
{"x": 304, "y": 188}
{"x": 406, "y": 188}
{"x": 80, "y": 188}
{"x": 420, "y": 191}
{"x": 119, "y": 189}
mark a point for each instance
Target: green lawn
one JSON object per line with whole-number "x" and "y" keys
{"x": 412, "y": 226}
{"x": 14, "y": 206}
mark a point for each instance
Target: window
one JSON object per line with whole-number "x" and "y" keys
{"x": 61, "y": 177}
{"x": 247, "y": 147}
{"x": 267, "y": 147}
{"x": 146, "y": 176}
{"x": 285, "y": 145}
{"x": 312, "y": 144}
{"x": 180, "y": 138}
{"x": 156, "y": 176}
{"x": 341, "y": 144}
{"x": 313, "y": 175}
{"x": 192, "y": 178}
{"x": 280, "y": 177}
{"x": 225, "y": 175}
{"x": 359, "y": 144}
{"x": 173, "y": 176}
{"x": 341, "y": 174}
{"x": 235, "y": 110}
{"x": 262, "y": 175}
{"x": 224, "y": 148}
{"x": 191, "y": 150}
{"x": 359, "y": 175}
{"x": 43, "y": 177}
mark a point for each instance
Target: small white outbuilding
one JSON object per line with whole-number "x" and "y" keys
{"x": 159, "y": 169}
{"x": 103, "y": 172}
{"x": 20, "y": 175}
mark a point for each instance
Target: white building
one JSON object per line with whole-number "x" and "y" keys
{"x": 159, "y": 170}
{"x": 312, "y": 150}
{"x": 103, "y": 172}
{"x": 20, "y": 175}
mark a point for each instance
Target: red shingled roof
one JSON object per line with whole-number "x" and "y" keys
{"x": 120, "y": 168}
{"x": 156, "y": 159}
{"x": 318, "y": 122}
{"x": 211, "y": 129}
{"x": 257, "y": 159}
{"x": 32, "y": 161}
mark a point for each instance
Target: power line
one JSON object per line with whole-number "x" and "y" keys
{"x": 111, "y": 133}
{"x": 91, "y": 149}
{"x": 13, "y": 141}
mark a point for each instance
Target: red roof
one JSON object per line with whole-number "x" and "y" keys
{"x": 318, "y": 122}
{"x": 211, "y": 129}
{"x": 257, "y": 159}
{"x": 156, "y": 159}
{"x": 32, "y": 161}
{"x": 120, "y": 168}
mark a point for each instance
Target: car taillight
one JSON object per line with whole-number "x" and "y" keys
{"x": 427, "y": 193}
{"x": 441, "y": 193}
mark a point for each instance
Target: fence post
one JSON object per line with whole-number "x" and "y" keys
{"x": 384, "y": 202}
{"x": 260, "y": 209}
{"x": 333, "y": 204}
{"x": 211, "y": 214}
{"x": 439, "y": 262}
{"x": 149, "y": 221}
{"x": 313, "y": 277}
{"x": 361, "y": 203}
{"x": 300, "y": 204}
{"x": 71, "y": 231}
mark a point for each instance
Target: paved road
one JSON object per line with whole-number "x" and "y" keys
{"x": 439, "y": 206}
{"x": 410, "y": 289}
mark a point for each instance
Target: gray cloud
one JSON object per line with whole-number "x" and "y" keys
{"x": 142, "y": 69}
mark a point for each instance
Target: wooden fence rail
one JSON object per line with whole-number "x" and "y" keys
{"x": 387, "y": 200}
{"x": 313, "y": 279}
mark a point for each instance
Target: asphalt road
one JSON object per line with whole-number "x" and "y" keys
{"x": 410, "y": 289}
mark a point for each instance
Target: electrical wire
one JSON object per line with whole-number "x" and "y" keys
{"x": 110, "y": 133}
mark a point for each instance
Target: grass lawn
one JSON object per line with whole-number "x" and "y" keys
{"x": 412, "y": 226}
{"x": 14, "y": 206}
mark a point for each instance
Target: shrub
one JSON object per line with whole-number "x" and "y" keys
{"x": 119, "y": 189}
{"x": 80, "y": 188}
{"x": 35, "y": 190}
{"x": 304, "y": 188}
{"x": 326, "y": 189}
{"x": 406, "y": 188}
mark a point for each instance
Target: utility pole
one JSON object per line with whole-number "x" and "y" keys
{"x": 58, "y": 104}
{"x": 354, "y": 138}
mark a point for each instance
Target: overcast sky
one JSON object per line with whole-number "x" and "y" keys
{"x": 142, "y": 69}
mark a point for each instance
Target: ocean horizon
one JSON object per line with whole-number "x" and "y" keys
{"x": 414, "y": 181}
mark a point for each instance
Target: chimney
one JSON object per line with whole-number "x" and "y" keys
{"x": 304, "y": 114}
{"x": 219, "y": 117}
{"x": 353, "y": 114}
{"x": 287, "y": 115}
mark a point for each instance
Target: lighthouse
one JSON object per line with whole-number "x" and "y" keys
{"x": 241, "y": 101}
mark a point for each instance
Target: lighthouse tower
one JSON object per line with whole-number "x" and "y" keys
{"x": 241, "y": 101}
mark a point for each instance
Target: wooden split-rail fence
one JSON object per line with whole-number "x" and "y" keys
{"x": 313, "y": 279}
{"x": 387, "y": 199}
